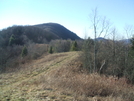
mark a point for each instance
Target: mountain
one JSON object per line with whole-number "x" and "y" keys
{"x": 59, "y": 30}
{"x": 36, "y": 33}
{"x": 126, "y": 41}
{"x": 101, "y": 39}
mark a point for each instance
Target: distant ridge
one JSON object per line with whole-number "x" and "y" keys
{"x": 59, "y": 30}
{"x": 125, "y": 41}
{"x": 101, "y": 39}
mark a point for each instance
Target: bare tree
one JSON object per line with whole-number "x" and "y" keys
{"x": 100, "y": 26}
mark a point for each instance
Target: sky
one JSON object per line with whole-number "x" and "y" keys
{"x": 72, "y": 14}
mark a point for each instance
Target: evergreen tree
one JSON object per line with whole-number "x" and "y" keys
{"x": 50, "y": 50}
{"x": 132, "y": 42}
{"x": 24, "y": 51}
{"x": 11, "y": 40}
{"x": 74, "y": 46}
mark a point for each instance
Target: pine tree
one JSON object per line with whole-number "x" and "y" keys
{"x": 131, "y": 52}
{"x": 24, "y": 51}
{"x": 74, "y": 46}
{"x": 132, "y": 42}
{"x": 11, "y": 40}
{"x": 50, "y": 50}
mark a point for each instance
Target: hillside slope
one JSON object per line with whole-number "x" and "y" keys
{"x": 59, "y": 30}
{"x": 24, "y": 84}
{"x": 38, "y": 34}
{"x": 60, "y": 77}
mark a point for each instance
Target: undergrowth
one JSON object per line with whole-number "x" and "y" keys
{"x": 75, "y": 78}
{"x": 65, "y": 79}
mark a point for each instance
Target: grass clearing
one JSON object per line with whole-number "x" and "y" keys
{"x": 60, "y": 77}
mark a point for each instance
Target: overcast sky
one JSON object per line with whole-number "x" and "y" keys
{"x": 73, "y": 14}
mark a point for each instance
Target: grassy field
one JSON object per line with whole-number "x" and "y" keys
{"x": 60, "y": 77}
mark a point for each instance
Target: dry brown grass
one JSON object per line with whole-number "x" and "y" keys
{"x": 74, "y": 78}
{"x": 61, "y": 77}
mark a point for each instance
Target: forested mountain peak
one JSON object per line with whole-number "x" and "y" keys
{"x": 37, "y": 33}
{"x": 59, "y": 30}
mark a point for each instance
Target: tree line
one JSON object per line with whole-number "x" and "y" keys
{"x": 13, "y": 55}
{"x": 109, "y": 57}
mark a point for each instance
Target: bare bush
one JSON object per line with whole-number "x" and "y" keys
{"x": 36, "y": 50}
{"x": 76, "y": 79}
{"x": 7, "y": 55}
